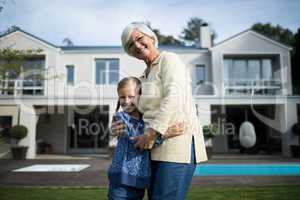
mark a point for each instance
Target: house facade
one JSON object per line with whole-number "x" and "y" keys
{"x": 244, "y": 78}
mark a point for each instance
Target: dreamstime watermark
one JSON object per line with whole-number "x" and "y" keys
{"x": 85, "y": 127}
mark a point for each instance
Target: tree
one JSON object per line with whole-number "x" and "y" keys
{"x": 296, "y": 63}
{"x": 2, "y": 3}
{"x": 277, "y": 32}
{"x": 10, "y": 29}
{"x": 167, "y": 39}
{"x": 164, "y": 39}
{"x": 12, "y": 65}
{"x": 191, "y": 33}
{"x": 68, "y": 42}
{"x": 287, "y": 37}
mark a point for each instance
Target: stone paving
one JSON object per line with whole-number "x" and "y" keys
{"x": 95, "y": 175}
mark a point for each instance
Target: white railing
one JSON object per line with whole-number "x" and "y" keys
{"x": 256, "y": 87}
{"x": 21, "y": 87}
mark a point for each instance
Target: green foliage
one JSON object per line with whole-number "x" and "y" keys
{"x": 277, "y": 33}
{"x": 68, "y": 42}
{"x": 164, "y": 39}
{"x": 296, "y": 63}
{"x": 10, "y": 29}
{"x": 12, "y": 60}
{"x": 4, "y": 2}
{"x": 287, "y": 37}
{"x": 167, "y": 39}
{"x": 18, "y": 132}
{"x": 191, "y": 32}
{"x": 286, "y": 192}
{"x": 210, "y": 131}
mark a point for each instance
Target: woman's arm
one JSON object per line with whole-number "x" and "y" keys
{"x": 175, "y": 79}
{"x": 147, "y": 140}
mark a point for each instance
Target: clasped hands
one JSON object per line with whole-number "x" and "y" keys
{"x": 147, "y": 140}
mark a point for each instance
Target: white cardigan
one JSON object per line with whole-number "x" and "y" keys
{"x": 166, "y": 99}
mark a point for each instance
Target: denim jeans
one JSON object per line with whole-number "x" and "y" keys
{"x": 169, "y": 180}
{"x": 124, "y": 192}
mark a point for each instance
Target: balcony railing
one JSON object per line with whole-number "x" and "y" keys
{"x": 255, "y": 87}
{"x": 18, "y": 87}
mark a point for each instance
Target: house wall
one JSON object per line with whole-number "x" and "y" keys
{"x": 21, "y": 41}
{"x": 6, "y": 110}
{"x": 85, "y": 92}
{"x": 250, "y": 44}
{"x": 85, "y": 71}
{"x": 29, "y": 119}
{"x": 288, "y": 117}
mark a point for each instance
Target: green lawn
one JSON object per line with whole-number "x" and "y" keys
{"x": 196, "y": 193}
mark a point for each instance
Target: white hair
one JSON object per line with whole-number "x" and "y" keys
{"x": 140, "y": 26}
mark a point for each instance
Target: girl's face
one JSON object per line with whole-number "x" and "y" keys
{"x": 140, "y": 45}
{"x": 129, "y": 97}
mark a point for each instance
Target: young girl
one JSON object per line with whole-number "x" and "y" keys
{"x": 130, "y": 171}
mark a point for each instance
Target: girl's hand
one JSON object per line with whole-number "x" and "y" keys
{"x": 118, "y": 128}
{"x": 175, "y": 130}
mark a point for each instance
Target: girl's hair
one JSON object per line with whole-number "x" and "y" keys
{"x": 122, "y": 83}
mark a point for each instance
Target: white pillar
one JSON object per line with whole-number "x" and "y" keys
{"x": 288, "y": 119}
{"x": 29, "y": 119}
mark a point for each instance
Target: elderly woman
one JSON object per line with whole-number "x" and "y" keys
{"x": 166, "y": 99}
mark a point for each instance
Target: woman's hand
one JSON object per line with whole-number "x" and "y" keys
{"x": 146, "y": 140}
{"x": 118, "y": 128}
{"x": 175, "y": 130}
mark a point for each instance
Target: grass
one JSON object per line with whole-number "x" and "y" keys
{"x": 283, "y": 192}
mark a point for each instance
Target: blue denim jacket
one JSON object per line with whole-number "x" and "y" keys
{"x": 131, "y": 166}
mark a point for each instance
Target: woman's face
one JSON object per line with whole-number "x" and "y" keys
{"x": 129, "y": 97}
{"x": 140, "y": 45}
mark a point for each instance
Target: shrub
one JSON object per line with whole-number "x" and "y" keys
{"x": 18, "y": 132}
{"x": 210, "y": 131}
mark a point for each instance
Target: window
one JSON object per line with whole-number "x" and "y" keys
{"x": 70, "y": 74}
{"x": 200, "y": 74}
{"x": 27, "y": 76}
{"x": 107, "y": 71}
{"x": 5, "y": 125}
{"x": 266, "y": 69}
{"x": 251, "y": 75}
{"x": 247, "y": 69}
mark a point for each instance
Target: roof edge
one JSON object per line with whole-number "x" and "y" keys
{"x": 258, "y": 34}
{"x": 29, "y": 34}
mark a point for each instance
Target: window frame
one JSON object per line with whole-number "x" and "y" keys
{"x": 107, "y": 71}
{"x": 67, "y": 75}
{"x": 198, "y": 82}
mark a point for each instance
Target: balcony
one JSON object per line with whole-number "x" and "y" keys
{"x": 17, "y": 87}
{"x": 252, "y": 87}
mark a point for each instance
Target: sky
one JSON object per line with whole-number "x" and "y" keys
{"x": 100, "y": 22}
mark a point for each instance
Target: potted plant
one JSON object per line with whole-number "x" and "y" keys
{"x": 1, "y": 139}
{"x": 17, "y": 133}
{"x": 295, "y": 149}
{"x": 209, "y": 132}
{"x": 45, "y": 148}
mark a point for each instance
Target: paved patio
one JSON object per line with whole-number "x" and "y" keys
{"x": 95, "y": 175}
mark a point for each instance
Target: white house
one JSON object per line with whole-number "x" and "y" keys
{"x": 244, "y": 78}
